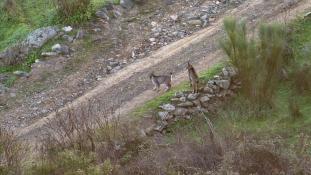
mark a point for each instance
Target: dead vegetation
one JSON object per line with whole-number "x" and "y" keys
{"x": 12, "y": 153}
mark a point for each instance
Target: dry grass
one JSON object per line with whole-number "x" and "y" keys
{"x": 12, "y": 153}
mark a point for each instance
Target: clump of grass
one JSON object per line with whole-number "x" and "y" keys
{"x": 74, "y": 11}
{"x": 258, "y": 61}
{"x": 11, "y": 9}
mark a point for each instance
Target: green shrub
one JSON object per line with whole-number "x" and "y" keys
{"x": 73, "y": 11}
{"x": 259, "y": 61}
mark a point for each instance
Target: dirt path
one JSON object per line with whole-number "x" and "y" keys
{"x": 130, "y": 87}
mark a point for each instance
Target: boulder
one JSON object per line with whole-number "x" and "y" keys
{"x": 68, "y": 38}
{"x": 39, "y": 37}
{"x": 67, "y": 29}
{"x": 193, "y": 96}
{"x": 179, "y": 94}
{"x": 204, "y": 99}
{"x": 180, "y": 111}
{"x": 160, "y": 126}
{"x": 3, "y": 89}
{"x": 168, "y": 107}
{"x": 208, "y": 89}
{"x": 103, "y": 14}
{"x": 127, "y": 4}
{"x": 307, "y": 15}
{"x": 48, "y": 54}
{"x": 195, "y": 22}
{"x": 224, "y": 84}
{"x": 35, "y": 39}
{"x": 164, "y": 115}
{"x": 61, "y": 49}
{"x": 80, "y": 34}
{"x": 21, "y": 73}
{"x": 228, "y": 72}
{"x": 186, "y": 104}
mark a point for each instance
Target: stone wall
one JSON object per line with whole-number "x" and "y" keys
{"x": 186, "y": 105}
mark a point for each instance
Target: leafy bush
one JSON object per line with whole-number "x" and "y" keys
{"x": 258, "y": 61}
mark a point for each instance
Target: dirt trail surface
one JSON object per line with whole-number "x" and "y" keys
{"x": 130, "y": 87}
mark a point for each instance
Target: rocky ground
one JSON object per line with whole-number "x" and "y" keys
{"x": 117, "y": 38}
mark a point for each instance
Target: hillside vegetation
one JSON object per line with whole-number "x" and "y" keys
{"x": 264, "y": 129}
{"x": 19, "y": 17}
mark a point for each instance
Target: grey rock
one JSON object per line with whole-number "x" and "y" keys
{"x": 149, "y": 131}
{"x": 39, "y": 37}
{"x": 165, "y": 115}
{"x": 182, "y": 99}
{"x": 230, "y": 71}
{"x": 80, "y": 34}
{"x": 193, "y": 96}
{"x": 67, "y": 29}
{"x": 103, "y": 14}
{"x": 114, "y": 63}
{"x": 48, "y": 54}
{"x": 3, "y": 89}
{"x": 174, "y": 17}
{"x": 197, "y": 103}
{"x": 168, "y": 2}
{"x": 152, "y": 39}
{"x": 208, "y": 89}
{"x": 21, "y": 73}
{"x": 61, "y": 49}
{"x": 224, "y": 84}
{"x": 115, "y": 69}
{"x": 172, "y": 99}
{"x": 217, "y": 77}
{"x": 225, "y": 73}
{"x": 127, "y": 4}
{"x": 12, "y": 55}
{"x": 160, "y": 126}
{"x": 35, "y": 39}
{"x": 186, "y": 104}
{"x": 204, "y": 99}
{"x": 307, "y": 15}
{"x": 180, "y": 111}
{"x": 179, "y": 94}
{"x": 97, "y": 30}
{"x": 68, "y": 38}
{"x": 195, "y": 22}
{"x": 168, "y": 107}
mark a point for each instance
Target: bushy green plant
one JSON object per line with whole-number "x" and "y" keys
{"x": 259, "y": 61}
